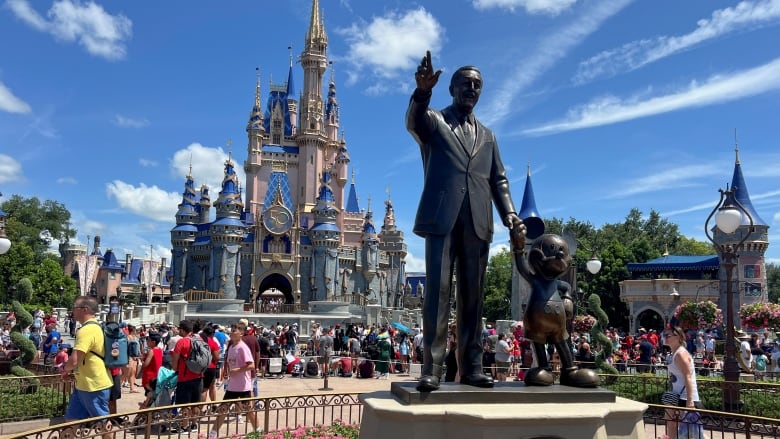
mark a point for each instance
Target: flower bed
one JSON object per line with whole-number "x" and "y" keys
{"x": 760, "y": 315}
{"x": 698, "y": 315}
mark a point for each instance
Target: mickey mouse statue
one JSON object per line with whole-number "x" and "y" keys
{"x": 550, "y": 309}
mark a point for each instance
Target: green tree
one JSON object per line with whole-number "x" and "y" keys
{"x": 28, "y": 218}
{"x": 47, "y": 280}
{"x": 773, "y": 282}
{"x": 691, "y": 247}
{"x": 15, "y": 265}
{"x": 498, "y": 286}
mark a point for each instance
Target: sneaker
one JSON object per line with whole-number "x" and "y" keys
{"x": 212, "y": 434}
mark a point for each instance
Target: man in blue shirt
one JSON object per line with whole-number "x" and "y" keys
{"x": 50, "y": 345}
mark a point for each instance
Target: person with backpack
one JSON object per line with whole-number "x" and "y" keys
{"x": 130, "y": 371}
{"x": 759, "y": 364}
{"x": 93, "y": 382}
{"x": 190, "y": 385}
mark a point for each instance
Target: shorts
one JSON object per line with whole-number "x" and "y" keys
{"x": 189, "y": 391}
{"x": 231, "y": 394}
{"x": 209, "y": 377}
{"x": 502, "y": 366}
{"x": 115, "y": 391}
{"x": 85, "y": 404}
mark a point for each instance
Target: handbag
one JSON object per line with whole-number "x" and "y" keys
{"x": 670, "y": 398}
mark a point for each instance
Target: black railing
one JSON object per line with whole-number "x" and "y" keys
{"x": 661, "y": 420}
{"x": 272, "y": 414}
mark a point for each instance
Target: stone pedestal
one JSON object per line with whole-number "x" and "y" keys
{"x": 508, "y": 410}
{"x": 176, "y": 311}
{"x": 222, "y": 306}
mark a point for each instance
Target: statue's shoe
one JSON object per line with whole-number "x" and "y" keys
{"x": 477, "y": 380}
{"x": 580, "y": 378}
{"x": 538, "y": 376}
{"x": 428, "y": 383}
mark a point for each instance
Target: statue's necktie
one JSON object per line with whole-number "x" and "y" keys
{"x": 468, "y": 134}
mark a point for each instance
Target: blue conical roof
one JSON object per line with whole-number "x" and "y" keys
{"x": 528, "y": 207}
{"x": 290, "y": 84}
{"x": 352, "y": 200}
{"x": 741, "y": 194}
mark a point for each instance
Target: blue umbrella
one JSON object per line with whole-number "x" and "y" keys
{"x": 401, "y": 327}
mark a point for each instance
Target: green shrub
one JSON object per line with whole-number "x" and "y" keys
{"x": 31, "y": 402}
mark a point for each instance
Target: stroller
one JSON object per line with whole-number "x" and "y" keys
{"x": 162, "y": 396}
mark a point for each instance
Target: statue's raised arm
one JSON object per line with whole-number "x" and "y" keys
{"x": 425, "y": 76}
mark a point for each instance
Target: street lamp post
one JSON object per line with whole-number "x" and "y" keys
{"x": 728, "y": 218}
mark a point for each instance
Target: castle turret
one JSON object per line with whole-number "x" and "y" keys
{"x": 292, "y": 103}
{"x": 325, "y": 237}
{"x": 311, "y": 137}
{"x": 255, "y": 130}
{"x": 227, "y": 233}
{"x": 204, "y": 205}
{"x": 183, "y": 235}
{"x": 332, "y": 112}
{"x": 391, "y": 242}
{"x": 751, "y": 268}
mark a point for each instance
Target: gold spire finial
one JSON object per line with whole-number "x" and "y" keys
{"x": 189, "y": 174}
{"x": 332, "y": 72}
{"x": 387, "y": 190}
{"x": 736, "y": 147}
{"x": 353, "y": 176}
{"x": 369, "y": 204}
{"x": 290, "y": 48}
{"x": 666, "y": 250}
{"x": 529, "y": 168}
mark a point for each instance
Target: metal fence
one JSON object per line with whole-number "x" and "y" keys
{"x": 660, "y": 420}
{"x": 756, "y": 398}
{"x": 35, "y": 397}
{"x": 272, "y": 414}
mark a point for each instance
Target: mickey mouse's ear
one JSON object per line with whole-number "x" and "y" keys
{"x": 534, "y": 227}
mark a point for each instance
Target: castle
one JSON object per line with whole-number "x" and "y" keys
{"x": 300, "y": 234}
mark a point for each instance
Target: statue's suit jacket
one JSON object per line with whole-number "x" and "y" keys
{"x": 452, "y": 168}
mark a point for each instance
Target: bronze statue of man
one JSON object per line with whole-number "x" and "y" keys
{"x": 462, "y": 173}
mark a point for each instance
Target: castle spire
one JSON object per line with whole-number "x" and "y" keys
{"x": 528, "y": 211}
{"x": 741, "y": 194}
{"x": 316, "y": 32}
{"x": 255, "y": 122}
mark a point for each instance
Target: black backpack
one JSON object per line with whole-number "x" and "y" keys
{"x": 312, "y": 370}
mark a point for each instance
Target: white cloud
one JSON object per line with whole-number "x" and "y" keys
{"x": 549, "y": 7}
{"x": 682, "y": 176}
{"x": 10, "y": 103}
{"x": 414, "y": 264}
{"x": 716, "y": 90}
{"x": 146, "y": 163}
{"x": 146, "y": 201}
{"x": 392, "y": 43}
{"x": 207, "y": 166}
{"x": 636, "y": 54}
{"x": 87, "y": 23}
{"x": 67, "y": 180}
{"x": 548, "y": 52}
{"x": 10, "y": 169}
{"x": 128, "y": 122}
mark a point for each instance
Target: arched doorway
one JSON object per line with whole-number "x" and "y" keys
{"x": 279, "y": 283}
{"x": 650, "y": 319}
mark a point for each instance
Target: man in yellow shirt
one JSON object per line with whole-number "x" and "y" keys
{"x": 93, "y": 382}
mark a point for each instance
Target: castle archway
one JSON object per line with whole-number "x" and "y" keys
{"x": 650, "y": 319}
{"x": 277, "y": 282}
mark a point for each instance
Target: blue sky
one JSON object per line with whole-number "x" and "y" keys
{"x": 615, "y": 104}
